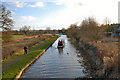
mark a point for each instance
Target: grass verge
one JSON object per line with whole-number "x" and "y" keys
{"x": 4, "y": 62}
{"x": 13, "y": 70}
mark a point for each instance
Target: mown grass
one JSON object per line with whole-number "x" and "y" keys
{"x": 13, "y": 70}
{"x": 18, "y": 36}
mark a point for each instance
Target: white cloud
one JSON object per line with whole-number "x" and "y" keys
{"x": 22, "y": 4}
{"x": 70, "y": 3}
{"x": 17, "y": 4}
{"x": 25, "y": 19}
{"x": 77, "y": 10}
{"x": 37, "y": 4}
{"x": 102, "y": 9}
{"x": 65, "y": 18}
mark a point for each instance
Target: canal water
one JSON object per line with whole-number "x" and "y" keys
{"x": 57, "y": 63}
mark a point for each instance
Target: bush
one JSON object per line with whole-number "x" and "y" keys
{"x": 7, "y": 36}
{"x": 90, "y": 31}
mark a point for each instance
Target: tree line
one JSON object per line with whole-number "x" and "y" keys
{"x": 88, "y": 31}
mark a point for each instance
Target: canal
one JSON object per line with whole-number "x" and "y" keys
{"x": 57, "y": 63}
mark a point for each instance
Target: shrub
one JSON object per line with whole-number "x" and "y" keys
{"x": 7, "y": 36}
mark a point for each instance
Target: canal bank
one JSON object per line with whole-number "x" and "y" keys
{"x": 13, "y": 70}
{"x": 33, "y": 61}
{"x": 57, "y": 63}
{"x": 93, "y": 65}
{"x": 94, "y": 60}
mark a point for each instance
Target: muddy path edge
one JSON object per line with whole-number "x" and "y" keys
{"x": 32, "y": 62}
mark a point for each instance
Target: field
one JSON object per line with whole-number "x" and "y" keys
{"x": 17, "y": 44}
{"x": 18, "y": 36}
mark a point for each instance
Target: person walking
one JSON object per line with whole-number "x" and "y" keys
{"x": 25, "y": 50}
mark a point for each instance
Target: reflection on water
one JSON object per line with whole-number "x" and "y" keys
{"x": 60, "y": 50}
{"x": 57, "y": 63}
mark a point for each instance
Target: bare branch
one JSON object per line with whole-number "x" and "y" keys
{"x": 5, "y": 20}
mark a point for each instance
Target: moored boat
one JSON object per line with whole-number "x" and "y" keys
{"x": 60, "y": 44}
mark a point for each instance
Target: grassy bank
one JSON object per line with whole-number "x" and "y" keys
{"x": 101, "y": 58}
{"x": 5, "y": 61}
{"x": 15, "y": 68}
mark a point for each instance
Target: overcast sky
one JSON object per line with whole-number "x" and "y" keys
{"x": 60, "y": 13}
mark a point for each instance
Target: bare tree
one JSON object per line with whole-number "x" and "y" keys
{"x": 106, "y": 21}
{"x": 90, "y": 31}
{"x": 5, "y": 18}
{"x": 48, "y": 28}
{"x": 6, "y": 23}
{"x": 73, "y": 32}
{"x": 107, "y": 24}
{"x": 25, "y": 29}
{"x": 64, "y": 31}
